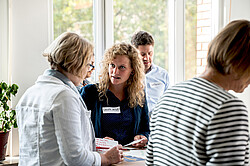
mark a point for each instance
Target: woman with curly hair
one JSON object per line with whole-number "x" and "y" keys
{"x": 118, "y": 106}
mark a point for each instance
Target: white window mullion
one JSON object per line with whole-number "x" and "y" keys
{"x": 180, "y": 41}
{"x": 176, "y": 41}
{"x": 171, "y": 38}
{"x": 217, "y": 17}
{"x": 99, "y": 34}
{"x": 109, "y": 24}
{"x": 103, "y": 30}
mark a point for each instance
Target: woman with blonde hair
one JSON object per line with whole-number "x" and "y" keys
{"x": 118, "y": 106}
{"x": 53, "y": 121}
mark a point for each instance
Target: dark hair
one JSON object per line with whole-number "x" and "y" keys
{"x": 142, "y": 38}
{"x": 230, "y": 50}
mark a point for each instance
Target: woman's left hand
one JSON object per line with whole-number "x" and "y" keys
{"x": 141, "y": 143}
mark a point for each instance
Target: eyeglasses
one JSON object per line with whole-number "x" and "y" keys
{"x": 90, "y": 67}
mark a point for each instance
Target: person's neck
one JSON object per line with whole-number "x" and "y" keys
{"x": 148, "y": 70}
{"x": 75, "y": 79}
{"x": 118, "y": 91}
{"x": 217, "y": 78}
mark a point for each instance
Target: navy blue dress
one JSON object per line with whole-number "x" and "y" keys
{"x": 122, "y": 124}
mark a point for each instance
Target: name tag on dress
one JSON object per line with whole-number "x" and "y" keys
{"x": 111, "y": 110}
{"x": 154, "y": 84}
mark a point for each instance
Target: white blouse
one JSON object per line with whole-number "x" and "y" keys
{"x": 54, "y": 125}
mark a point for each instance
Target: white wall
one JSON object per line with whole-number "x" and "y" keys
{"x": 4, "y": 40}
{"x": 241, "y": 10}
{"x": 29, "y": 37}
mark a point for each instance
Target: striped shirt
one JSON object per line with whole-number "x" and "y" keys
{"x": 198, "y": 123}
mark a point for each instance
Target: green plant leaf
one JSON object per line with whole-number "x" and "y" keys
{"x": 7, "y": 125}
{"x": 5, "y": 107}
{"x": 15, "y": 124}
{"x": 7, "y": 116}
{"x": 14, "y": 87}
{"x": 4, "y": 85}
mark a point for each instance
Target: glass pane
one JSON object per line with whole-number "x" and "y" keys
{"x": 190, "y": 38}
{"x": 197, "y": 36}
{"x": 149, "y": 15}
{"x": 74, "y": 16}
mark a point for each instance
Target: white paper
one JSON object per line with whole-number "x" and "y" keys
{"x": 136, "y": 153}
{"x": 134, "y": 142}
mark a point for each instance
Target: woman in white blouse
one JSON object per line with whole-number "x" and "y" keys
{"x": 54, "y": 124}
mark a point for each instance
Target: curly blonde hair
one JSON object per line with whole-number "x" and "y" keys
{"x": 135, "y": 86}
{"x": 70, "y": 52}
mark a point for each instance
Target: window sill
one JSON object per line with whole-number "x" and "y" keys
{"x": 10, "y": 161}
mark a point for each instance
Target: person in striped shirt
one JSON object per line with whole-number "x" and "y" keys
{"x": 198, "y": 122}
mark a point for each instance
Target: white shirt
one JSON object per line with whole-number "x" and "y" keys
{"x": 54, "y": 125}
{"x": 157, "y": 82}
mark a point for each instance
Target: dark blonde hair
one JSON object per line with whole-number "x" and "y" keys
{"x": 230, "y": 50}
{"x": 135, "y": 86}
{"x": 69, "y": 52}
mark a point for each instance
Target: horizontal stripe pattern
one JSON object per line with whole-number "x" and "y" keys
{"x": 198, "y": 123}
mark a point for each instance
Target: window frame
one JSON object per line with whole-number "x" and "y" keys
{"x": 176, "y": 63}
{"x": 103, "y": 30}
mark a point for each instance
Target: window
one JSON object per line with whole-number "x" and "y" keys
{"x": 204, "y": 33}
{"x": 73, "y": 15}
{"x": 181, "y": 29}
{"x": 190, "y": 39}
{"x": 152, "y": 16}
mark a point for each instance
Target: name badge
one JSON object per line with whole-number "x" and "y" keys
{"x": 111, "y": 110}
{"x": 153, "y": 84}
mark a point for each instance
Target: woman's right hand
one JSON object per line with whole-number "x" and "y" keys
{"x": 112, "y": 156}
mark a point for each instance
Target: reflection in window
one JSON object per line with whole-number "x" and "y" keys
{"x": 149, "y": 15}
{"x": 197, "y": 36}
{"x": 190, "y": 38}
{"x": 73, "y": 15}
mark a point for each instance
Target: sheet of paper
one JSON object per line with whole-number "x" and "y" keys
{"x": 105, "y": 142}
{"x": 101, "y": 142}
{"x": 134, "y": 142}
{"x": 136, "y": 153}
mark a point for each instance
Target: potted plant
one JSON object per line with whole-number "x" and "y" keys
{"x": 7, "y": 115}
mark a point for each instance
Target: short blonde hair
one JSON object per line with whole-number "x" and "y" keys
{"x": 230, "y": 49}
{"x": 69, "y": 52}
{"x": 135, "y": 86}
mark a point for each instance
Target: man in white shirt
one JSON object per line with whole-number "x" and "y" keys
{"x": 157, "y": 80}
